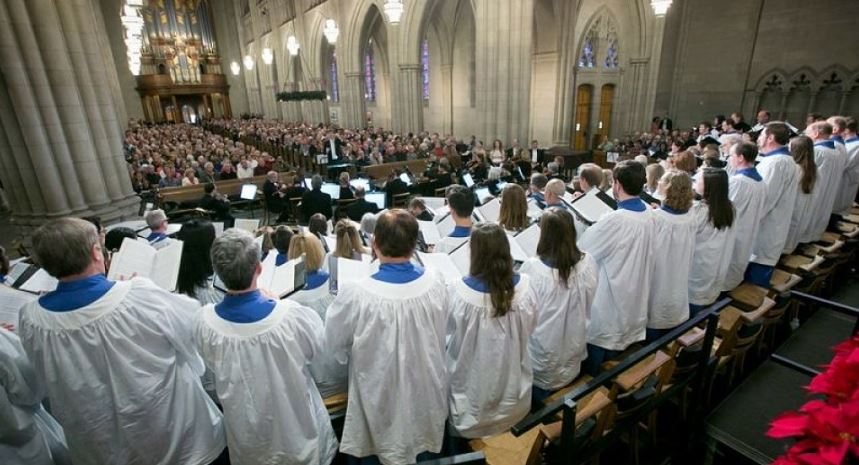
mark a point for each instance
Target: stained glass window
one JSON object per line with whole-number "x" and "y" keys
{"x": 611, "y": 60}
{"x": 332, "y": 70}
{"x": 425, "y": 69}
{"x": 588, "y": 56}
{"x": 369, "y": 74}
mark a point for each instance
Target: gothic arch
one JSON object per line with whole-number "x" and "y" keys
{"x": 774, "y": 79}
{"x": 414, "y": 24}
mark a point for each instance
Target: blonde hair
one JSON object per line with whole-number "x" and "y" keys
{"x": 309, "y": 245}
{"x": 607, "y": 180}
{"x": 348, "y": 240}
{"x": 654, "y": 173}
{"x": 678, "y": 190}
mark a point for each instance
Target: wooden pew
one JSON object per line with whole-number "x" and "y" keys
{"x": 382, "y": 171}
{"x": 229, "y": 187}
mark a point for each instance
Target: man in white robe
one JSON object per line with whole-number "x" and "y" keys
{"x": 460, "y": 201}
{"x": 156, "y": 220}
{"x": 830, "y": 171}
{"x": 619, "y": 311}
{"x": 850, "y": 180}
{"x": 778, "y": 171}
{"x": 748, "y": 193}
{"x": 259, "y": 350}
{"x": 117, "y": 358}
{"x": 391, "y": 328}
{"x": 28, "y": 434}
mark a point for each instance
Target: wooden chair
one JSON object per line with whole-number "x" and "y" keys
{"x": 738, "y": 331}
{"x": 400, "y": 200}
{"x": 439, "y": 192}
{"x": 506, "y": 449}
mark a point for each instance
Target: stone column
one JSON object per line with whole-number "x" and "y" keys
{"x": 504, "y": 36}
{"x": 565, "y": 98}
{"x": 408, "y": 98}
{"x": 447, "y": 97}
{"x": 352, "y": 102}
{"x": 60, "y": 115}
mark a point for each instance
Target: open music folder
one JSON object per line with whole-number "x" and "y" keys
{"x": 590, "y": 207}
{"x": 30, "y": 278}
{"x": 283, "y": 280}
{"x": 140, "y": 258}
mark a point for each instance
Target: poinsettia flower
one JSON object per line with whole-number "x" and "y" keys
{"x": 788, "y": 425}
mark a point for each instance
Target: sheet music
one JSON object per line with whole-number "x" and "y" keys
{"x": 219, "y": 228}
{"x": 442, "y": 263}
{"x": 331, "y": 242}
{"x": 433, "y": 203}
{"x": 16, "y": 271}
{"x": 258, "y": 241}
{"x": 165, "y": 266}
{"x": 430, "y": 232}
{"x": 11, "y": 301}
{"x": 591, "y": 208}
{"x": 367, "y": 258}
{"x": 528, "y": 240}
{"x": 248, "y": 225}
{"x": 440, "y": 213}
{"x": 267, "y": 273}
{"x": 534, "y": 211}
{"x": 491, "y": 211}
{"x": 41, "y": 281}
{"x": 462, "y": 258}
{"x": 133, "y": 257}
{"x": 283, "y": 279}
{"x": 445, "y": 226}
{"x": 516, "y": 250}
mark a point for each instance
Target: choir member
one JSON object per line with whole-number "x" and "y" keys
{"x": 258, "y": 348}
{"x": 418, "y": 208}
{"x": 565, "y": 281}
{"x": 673, "y": 246}
{"x": 850, "y": 181}
{"x": 802, "y": 219}
{"x": 513, "y": 214}
{"x": 714, "y": 239}
{"x": 830, "y": 166}
{"x": 619, "y": 311}
{"x": 748, "y": 193}
{"x": 127, "y": 387}
{"x": 555, "y": 190}
{"x": 460, "y": 202}
{"x": 493, "y": 312}
{"x": 156, "y": 220}
{"x": 536, "y": 187}
{"x": 349, "y": 244}
{"x": 281, "y": 239}
{"x": 29, "y": 435}
{"x": 390, "y": 326}
{"x": 196, "y": 275}
{"x": 778, "y": 171}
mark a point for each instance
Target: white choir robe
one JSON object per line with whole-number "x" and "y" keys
{"x": 487, "y": 360}
{"x": 25, "y": 427}
{"x": 673, "y": 245}
{"x": 558, "y": 344}
{"x": 711, "y": 259}
{"x": 141, "y": 402}
{"x": 803, "y": 213}
{"x": 779, "y": 173}
{"x": 850, "y": 180}
{"x": 273, "y": 412}
{"x": 749, "y": 198}
{"x": 330, "y": 375}
{"x": 830, "y": 170}
{"x": 619, "y": 310}
{"x": 448, "y": 244}
{"x": 393, "y": 338}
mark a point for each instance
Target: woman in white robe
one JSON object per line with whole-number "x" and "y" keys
{"x": 714, "y": 237}
{"x": 802, "y": 151}
{"x": 748, "y": 193}
{"x": 673, "y": 245}
{"x": 28, "y": 434}
{"x": 564, "y": 280}
{"x": 492, "y": 315}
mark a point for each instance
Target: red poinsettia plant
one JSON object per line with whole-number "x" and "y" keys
{"x": 826, "y": 431}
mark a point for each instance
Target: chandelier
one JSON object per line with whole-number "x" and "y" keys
{"x": 660, "y": 7}
{"x": 249, "y": 62}
{"x": 292, "y": 45}
{"x": 267, "y": 56}
{"x": 235, "y": 68}
{"x": 132, "y": 22}
{"x": 331, "y": 31}
{"x": 393, "y": 10}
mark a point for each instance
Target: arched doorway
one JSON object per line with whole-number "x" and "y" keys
{"x": 605, "y": 114}
{"x": 584, "y": 99}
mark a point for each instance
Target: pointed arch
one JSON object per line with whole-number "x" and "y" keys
{"x": 774, "y": 79}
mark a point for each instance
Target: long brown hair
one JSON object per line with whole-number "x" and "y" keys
{"x": 802, "y": 150}
{"x": 514, "y": 208}
{"x": 348, "y": 240}
{"x": 492, "y": 263}
{"x": 719, "y": 206}
{"x": 557, "y": 243}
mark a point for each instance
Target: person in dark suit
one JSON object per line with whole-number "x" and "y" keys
{"x": 356, "y": 210}
{"x": 345, "y": 188}
{"x": 394, "y": 186}
{"x": 217, "y": 204}
{"x": 418, "y": 208}
{"x": 315, "y": 201}
{"x": 666, "y": 124}
{"x": 271, "y": 192}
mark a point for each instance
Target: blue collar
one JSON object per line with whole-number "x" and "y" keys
{"x": 2, "y": 278}
{"x": 248, "y": 307}
{"x": 851, "y": 140}
{"x": 838, "y": 139}
{"x": 315, "y": 279}
{"x": 825, "y": 143}
{"x": 634, "y": 205}
{"x": 673, "y": 211}
{"x": 156, "y": 237}
{"x": 751, "y": 173}
{"x": 538, "y": 197}
{"x": 548, "y": 262}
{"x": 480, "y": 285}
{"x": 460, "y": 231}
{"x": 556, "y": 205}
{"x": 398, "y": 273}
{"x": 72, "y": 295}
{"x": 779, "y": 151}
{"x": 280, "y": 259}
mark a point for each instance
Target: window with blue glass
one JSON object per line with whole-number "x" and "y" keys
{"x": 425, "y": 69}
{"x": 611, "y": 59}
{"x": 332, "y": 70}
{"x": 369, "y": 74}
{"x": 588, "y": 56}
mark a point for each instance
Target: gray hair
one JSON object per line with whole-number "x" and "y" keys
{"x": 641, "y": 159}
{"x": 271, "y": 175}
{"x": 360, "y": 192}
{"x": 552, "y": 167}
{"x": 63, "y": 247}
{"x": 316, "y": 182}
{"x": 154, "y": 218}
{"x": 368, "y": 223}
{"x": 235, "y": 257}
